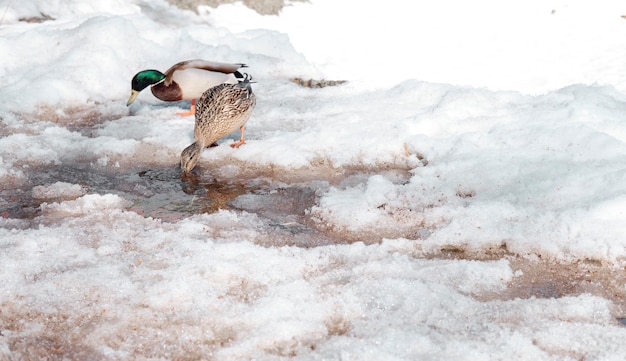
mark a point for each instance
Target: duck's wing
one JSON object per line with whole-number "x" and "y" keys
{"x": 226, "y": 68}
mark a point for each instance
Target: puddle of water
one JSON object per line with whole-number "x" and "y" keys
{"x": 169, "y": 195}
{"x": 550, "y": 279}
{"x": 155, "y": 192}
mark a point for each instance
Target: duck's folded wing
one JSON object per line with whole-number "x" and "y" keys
{"x": 226, "y": 68}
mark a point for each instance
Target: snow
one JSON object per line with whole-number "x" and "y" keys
{"x": 391, "y": 217}
{"x": 531, "y": 46}
{"x": 58, "y": 190}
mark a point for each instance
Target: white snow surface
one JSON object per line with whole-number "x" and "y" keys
{"x": 472, "y": 125}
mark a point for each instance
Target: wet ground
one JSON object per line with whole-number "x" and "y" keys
{"x": 282, "y": 203}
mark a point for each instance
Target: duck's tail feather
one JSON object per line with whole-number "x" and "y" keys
{"x": 246, "y": 80}
{"x": 246, "y": 83}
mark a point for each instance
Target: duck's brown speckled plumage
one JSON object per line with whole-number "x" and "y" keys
{"x": 220, "y": 111}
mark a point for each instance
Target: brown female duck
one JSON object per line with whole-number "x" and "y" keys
{"x": 220, "y": 111}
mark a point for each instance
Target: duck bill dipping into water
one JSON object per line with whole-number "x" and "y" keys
{"x": 220, "y": 111}
{"x": 186, "y": 80}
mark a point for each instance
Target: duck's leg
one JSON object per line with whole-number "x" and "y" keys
{"x": 241, "y": 140}
{"x": 191, "y": 111}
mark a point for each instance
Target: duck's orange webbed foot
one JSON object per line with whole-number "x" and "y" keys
{"x": 237, "y": 144}
{"x": 192, "y": 110}
{"x": 241, "y": 140}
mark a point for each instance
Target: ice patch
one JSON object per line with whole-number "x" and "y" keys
{"x": 86, "y": 205}
{"x": 58, "y": 190}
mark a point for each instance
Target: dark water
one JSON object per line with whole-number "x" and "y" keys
{"x": 168, "y": 194}
{"x": 160, "y": 192}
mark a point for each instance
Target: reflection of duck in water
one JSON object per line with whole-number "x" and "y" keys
{"x": 186, "y": 80}
{"x": 220, "y": 111}
{"x": 210, "y": 197}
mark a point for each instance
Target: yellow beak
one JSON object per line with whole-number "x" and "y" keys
{"x": 133, "y": 95}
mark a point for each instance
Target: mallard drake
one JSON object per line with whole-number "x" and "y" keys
{"x": 220, "y": 111}
{"x": 186, "y": 80}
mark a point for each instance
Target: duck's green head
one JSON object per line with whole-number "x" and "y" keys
{"x": 142, "y": 80}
